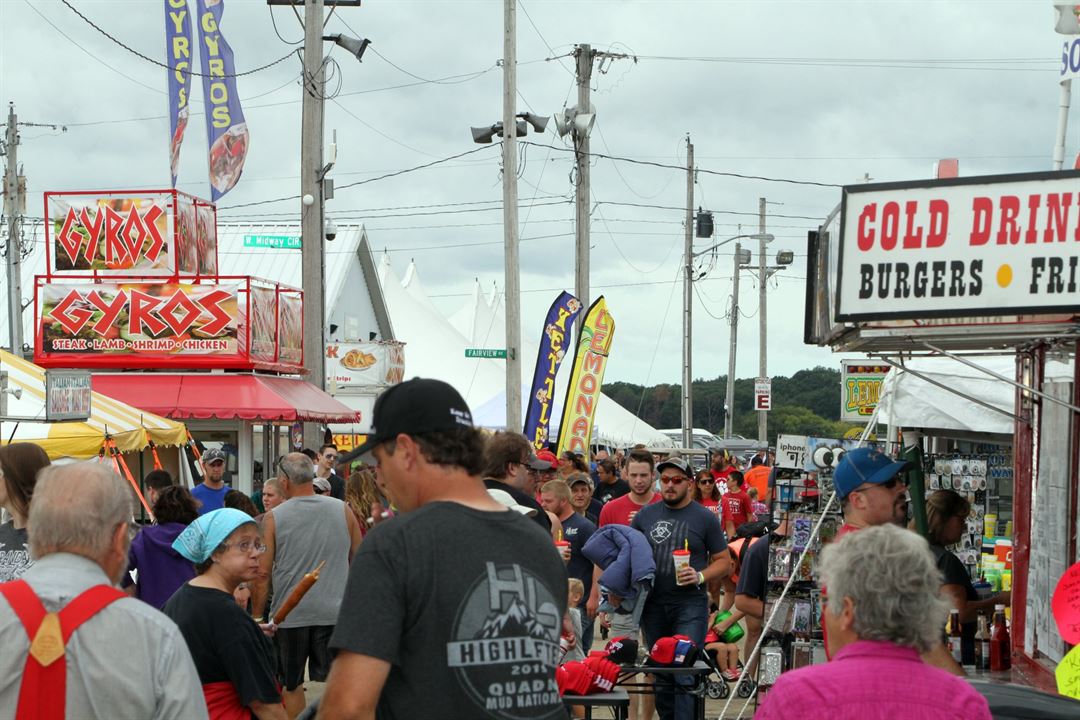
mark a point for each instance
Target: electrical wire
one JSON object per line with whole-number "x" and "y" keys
{"x": 273, "y": 22}
{"x": 370, "y": 180}
{"x": 544, "y": 40}
{"x": 634, "y": 267}
{"x": 159, "y": 91}
{"x": 887, "y": 63}
{"x": 624, "y": 180}
{"x": 149, "y": 59}
{"x": 696, "y": 169}
{"x": 379, "y": 132}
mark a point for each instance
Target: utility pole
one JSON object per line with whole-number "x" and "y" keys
{"x": 311, "y": 226}
{"x": 763, "y": 322}
{"x": 688, "y": 303}
{"x": 13, "y": 204}
{"x": 729, "y": 391}
{"x": 510, "y": 218}
{"x": 585, "y": 56}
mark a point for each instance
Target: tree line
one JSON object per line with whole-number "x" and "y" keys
{"x": 807, "y": 403}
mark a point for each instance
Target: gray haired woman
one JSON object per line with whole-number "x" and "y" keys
{"x": 883, "y": 608}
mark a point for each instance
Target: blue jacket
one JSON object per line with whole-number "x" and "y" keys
{"x": 626, "y": 558}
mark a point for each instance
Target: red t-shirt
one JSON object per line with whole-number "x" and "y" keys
{"x": 722, "y": 474}
{"x": 737, "y": 508}
{"x": 620, "y": 511}
{"x": 713, "y": 505}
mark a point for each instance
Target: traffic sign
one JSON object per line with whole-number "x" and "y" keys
{"x": 763, "y": 394}
{"x": 278, "y": 242}
{"x": 493, "y": 353}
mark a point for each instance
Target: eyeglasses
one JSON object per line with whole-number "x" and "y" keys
{"x": 246, "y": 546}
{"x": 889, "y": 484}
{"x": 330, "y": 457}
{"x": 673, "y": 479}
{"x": 706, "y": 481}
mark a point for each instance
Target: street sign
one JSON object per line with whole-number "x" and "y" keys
{"x": 277, "y": 242}
{"x": 763, "y": 394}
{"x": 493, "y": 353}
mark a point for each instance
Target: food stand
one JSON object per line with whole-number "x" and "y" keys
{"x": 962, "y": 268}
{"x": 133, "y": 290}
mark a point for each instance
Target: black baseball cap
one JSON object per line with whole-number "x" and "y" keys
{"x": 415, "y": 407}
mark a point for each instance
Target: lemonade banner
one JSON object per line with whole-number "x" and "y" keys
{"x": 583, "y": 391}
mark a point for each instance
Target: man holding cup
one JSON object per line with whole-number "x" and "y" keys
{"x": 690, "y": 550}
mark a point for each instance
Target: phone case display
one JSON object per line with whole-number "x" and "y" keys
{"x": 984, "y": 477}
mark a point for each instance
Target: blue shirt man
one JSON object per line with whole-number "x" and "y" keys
{"x": 211, "y": 491}
{"x": 679, "y": 602}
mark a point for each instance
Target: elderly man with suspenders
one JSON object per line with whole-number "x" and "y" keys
{"x": 75, "y": 645}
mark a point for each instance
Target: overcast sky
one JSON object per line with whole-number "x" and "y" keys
{"x": 815, "y": 91}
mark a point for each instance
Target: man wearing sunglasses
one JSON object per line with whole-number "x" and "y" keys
{"x": 324, "y": 468}
{"x": 870, "y": 490}
{"x": 679, "y": 603}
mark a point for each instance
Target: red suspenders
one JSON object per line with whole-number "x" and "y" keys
{"x": 43, "y": 692}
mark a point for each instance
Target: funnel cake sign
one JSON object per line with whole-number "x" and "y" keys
{"x": 962, "y": 247}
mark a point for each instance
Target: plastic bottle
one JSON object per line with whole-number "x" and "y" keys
{"x": 982, "y": 645}
{"x": 954, "y": 635}
{"x": 1000, "y": 647}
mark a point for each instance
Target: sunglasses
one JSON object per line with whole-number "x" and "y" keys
{"x": 706, "y": 481}
{"x": 673, "y": 479}
{"x": 889, "y": 484}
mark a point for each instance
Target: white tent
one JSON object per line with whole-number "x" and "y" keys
{"x": 908, "y": 400}
{"x": 434, "y": 347}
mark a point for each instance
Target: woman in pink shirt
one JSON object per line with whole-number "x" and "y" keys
{"x": 883, "y": 609}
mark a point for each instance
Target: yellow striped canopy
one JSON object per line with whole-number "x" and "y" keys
{"x": 129, "y": 427}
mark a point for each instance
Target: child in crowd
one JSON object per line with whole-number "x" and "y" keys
{"x": 576, "y": 591}
{"x": 727, "y": 654}
{"x": 760, "y": 508}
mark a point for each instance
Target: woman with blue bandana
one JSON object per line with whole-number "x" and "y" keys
{"x": 231, "y": 652}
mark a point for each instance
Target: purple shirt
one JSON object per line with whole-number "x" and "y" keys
{"x": 873, "y": 680}
{"x": 162, "y": 570}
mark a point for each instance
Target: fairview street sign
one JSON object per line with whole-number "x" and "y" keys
{"x": 495, "y": 354}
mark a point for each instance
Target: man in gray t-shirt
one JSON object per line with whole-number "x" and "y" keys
{"x": 454, "y": 607}
{"x": 302, "y": 533}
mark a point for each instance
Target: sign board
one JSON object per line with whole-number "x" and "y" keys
{"x": 364, "y": 364}
{"x": 860, "y": 388}
{"x": 1070, "y": 59}
{"x": 277, "y": 242}
{"x": 67, "y": 395}
{"x": 960, "y": 247}
{"x": 137, "y": 319}
{"x": 348, "y": 441}
{"x": 496, "y": 354}
{"x": 137, "y": 232}
{"x": 763, "y": 394}
{"x": 791, "y": 451}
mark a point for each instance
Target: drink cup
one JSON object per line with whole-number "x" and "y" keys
{"x": 681, "y": 559}
{"x": 563, "y": 547}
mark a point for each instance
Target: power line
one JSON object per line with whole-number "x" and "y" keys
{"x": 716, "y": 212}
{"x": 544, "y": 40}
{"x": 886, "y": 63}
{"x": 616, "y": 158}
{"x": 159, "y": 91}
{"x": 420, "y": 207}
{"x": 370, "y": 180}
{"x": 149, "y": 59}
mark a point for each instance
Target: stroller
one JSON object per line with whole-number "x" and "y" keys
{"x": 718, "y": 687}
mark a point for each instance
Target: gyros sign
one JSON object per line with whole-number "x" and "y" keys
{"x": 960, "y": 247}
{"x": 137, "y": 318}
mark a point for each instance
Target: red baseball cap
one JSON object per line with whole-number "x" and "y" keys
{"x": 574, "y": 678}
{"x": 548, "y": 456}
{"x": 674, "y": 651}
{"x": 605, "y": 673}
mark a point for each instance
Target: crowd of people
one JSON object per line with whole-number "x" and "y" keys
{"x": 454, "y": 576}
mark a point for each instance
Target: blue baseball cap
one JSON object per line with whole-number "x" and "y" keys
{"x": 864, "y": 466}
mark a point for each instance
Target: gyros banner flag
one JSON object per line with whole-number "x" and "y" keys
{"x": 583, "y": 392}
{"x": 144, "y": 319}
{"x": 178, "y": 48}
{"x": 962, "y": 247}
{"x": 553, "y": 341}
{"x": 225, "y": 127}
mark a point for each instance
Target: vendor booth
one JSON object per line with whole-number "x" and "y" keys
{"x": 976, "y": 310}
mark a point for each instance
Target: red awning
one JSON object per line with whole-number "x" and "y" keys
{"x": 249, "y": 397}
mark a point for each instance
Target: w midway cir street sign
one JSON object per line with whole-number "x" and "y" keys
{"x": 763, "y": 394}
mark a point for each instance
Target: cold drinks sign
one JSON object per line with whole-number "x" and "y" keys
{"x": 960, "y": 247}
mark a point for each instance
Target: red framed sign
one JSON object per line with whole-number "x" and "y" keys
{"x": 151, "y": 233}
{"x": 230, "y": 322}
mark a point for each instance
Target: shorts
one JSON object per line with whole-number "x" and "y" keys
{"x": 300, "y": 646}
